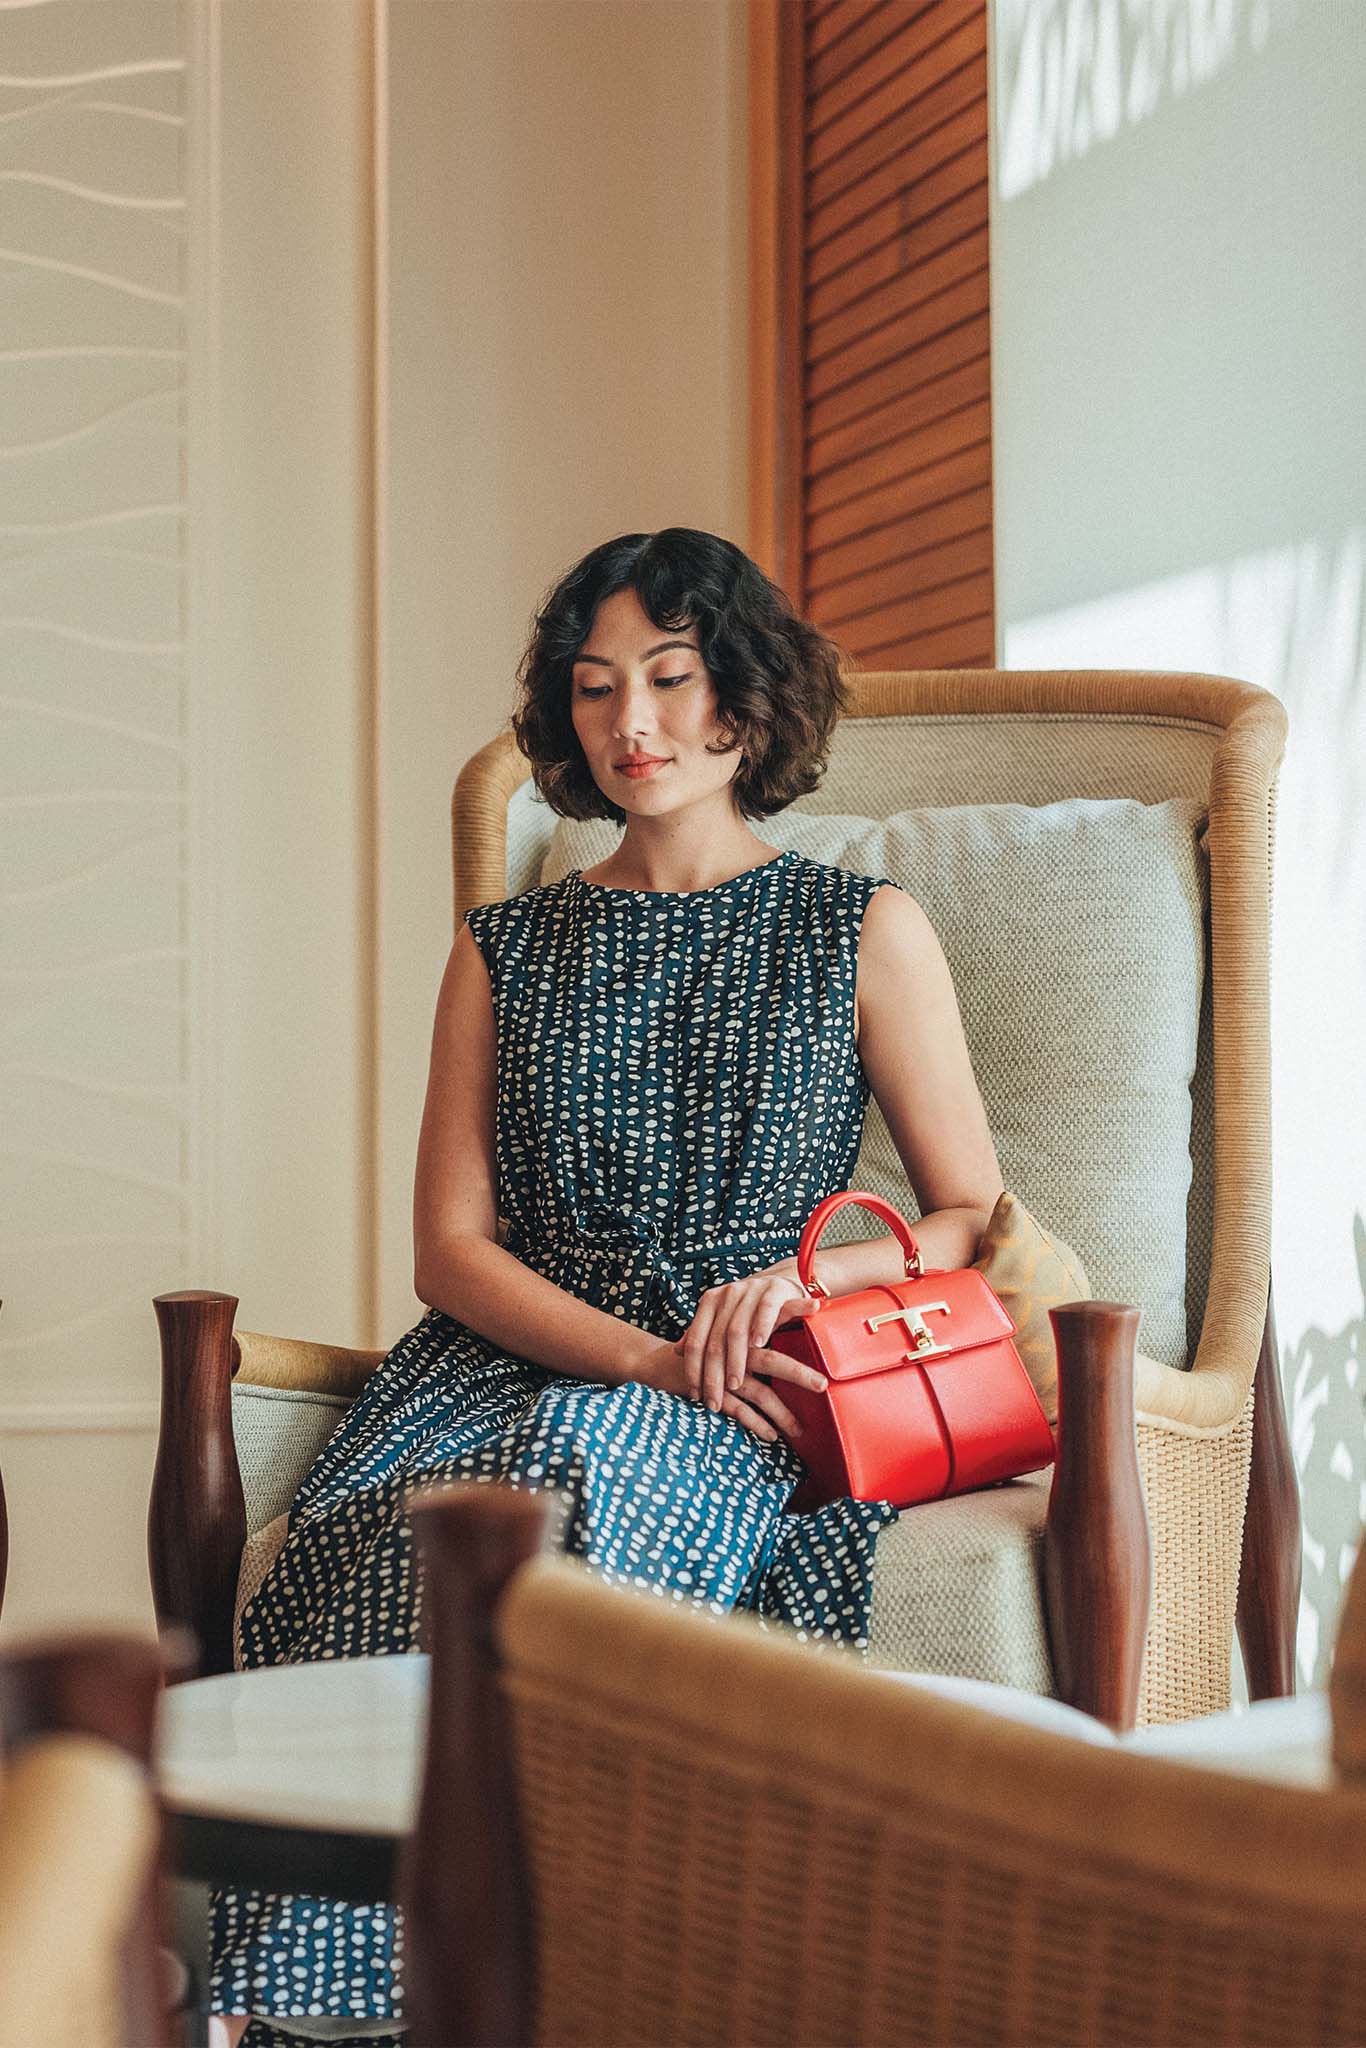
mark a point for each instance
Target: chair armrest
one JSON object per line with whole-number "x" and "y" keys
{"x": 196, "y": 1520}
{"x": 300, "y": 1367}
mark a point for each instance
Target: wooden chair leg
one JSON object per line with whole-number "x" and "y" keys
{"x": 1269, "y": 1578}
{"x": 1097, "y": 1558}
{"x": 196, "y": 1522}
{"x": 468, "y": 1948}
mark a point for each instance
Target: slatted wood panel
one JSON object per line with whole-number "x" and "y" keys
{"x": 871, "y": 178}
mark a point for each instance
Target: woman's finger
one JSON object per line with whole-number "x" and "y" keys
{"x": 739, "y": 1337}
{"x": 761, "y": 1395}
{"x": 743, "y": 1412}
{"x": 714, "y": 1353}
{"x": 779, "y": 1305}
{"x": 776, "y": 1365}
{"x": 726, "y": 1336}
{"x": 695, "y": 1344}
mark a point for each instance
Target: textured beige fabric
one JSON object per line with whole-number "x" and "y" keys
{"x": 956, "y": 1588}
{"x": 732, "y": 1841}
{"x": 1032, "y": 1271}
{"x": 530, "y": 824}
{"x": 1196, "y": 1491}
{"x": 78, "y": 1829}
{"x": 949, "y": 759}
{"x": 1075, "y": 925}
{"x": 278, "y": 1432}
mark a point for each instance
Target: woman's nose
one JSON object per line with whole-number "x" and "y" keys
{"x": 635, "y": 714}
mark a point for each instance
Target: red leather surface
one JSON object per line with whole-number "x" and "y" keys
{"x": 893, "y": 1426}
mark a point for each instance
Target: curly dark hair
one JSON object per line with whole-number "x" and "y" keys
{"x": 778, "y": 684}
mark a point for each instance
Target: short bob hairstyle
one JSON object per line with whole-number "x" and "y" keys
{"x": 777, "y": 679}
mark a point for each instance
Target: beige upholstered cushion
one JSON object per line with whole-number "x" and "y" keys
{"x": 278, "y": 1432}
{"x": 1075, "y": 934}
{"x": 956, "y": 1588}
{"x": 1032, "y": 1271}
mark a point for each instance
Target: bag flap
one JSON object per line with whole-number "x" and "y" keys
{"x": 909, "y": 1322}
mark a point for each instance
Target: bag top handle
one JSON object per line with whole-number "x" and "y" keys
{"x": 821, "y": 1215}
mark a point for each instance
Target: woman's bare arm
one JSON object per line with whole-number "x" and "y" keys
{"x": 911, "y": 1042}
{"x": 458, "y": 1265}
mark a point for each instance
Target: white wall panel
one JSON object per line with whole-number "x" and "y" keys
{"x": 97, "y": 1200}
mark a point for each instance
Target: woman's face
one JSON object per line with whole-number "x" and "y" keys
{"x": 644, "y": 709}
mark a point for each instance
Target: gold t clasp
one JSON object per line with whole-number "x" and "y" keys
{"x": 917, "y": 1329}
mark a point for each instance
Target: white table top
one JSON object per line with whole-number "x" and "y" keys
{"x": 334, "y": 1747}
{"x": 337, "y": 1747}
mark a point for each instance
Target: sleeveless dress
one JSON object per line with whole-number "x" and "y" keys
{"x": 677, "y": 1087}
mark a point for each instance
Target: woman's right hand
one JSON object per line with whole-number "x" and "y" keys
{"x": 757, "y": 1405}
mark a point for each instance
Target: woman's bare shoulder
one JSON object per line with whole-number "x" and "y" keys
{"x": 892, "y": 923}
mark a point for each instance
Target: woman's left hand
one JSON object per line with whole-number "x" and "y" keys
{"x": 731, "y": 1321}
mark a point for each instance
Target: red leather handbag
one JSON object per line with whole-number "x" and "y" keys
{"x": 926, "y": 1392}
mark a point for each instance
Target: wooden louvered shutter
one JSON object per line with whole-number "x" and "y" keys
{"x": 870, "y": 323}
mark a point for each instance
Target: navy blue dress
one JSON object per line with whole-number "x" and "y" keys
{"x": 678, "y": 1086}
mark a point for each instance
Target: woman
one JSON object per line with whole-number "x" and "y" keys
{"x": 652, "y": 1071}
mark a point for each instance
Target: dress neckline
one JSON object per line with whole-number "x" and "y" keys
{"x": 682, "y": 895}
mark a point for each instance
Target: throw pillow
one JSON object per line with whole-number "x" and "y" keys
{"x": 1032, "y": 1271}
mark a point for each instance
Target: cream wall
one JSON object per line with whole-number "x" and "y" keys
{"x": 187, "y": 209}
{"x": 1179, "y": 334}
{"x": 205, "y": 981}
{"x": 567, "y": 362}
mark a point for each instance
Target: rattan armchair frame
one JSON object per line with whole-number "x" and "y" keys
{"x": 1197, "y": 1448}
{"x": 675, "y": 1832}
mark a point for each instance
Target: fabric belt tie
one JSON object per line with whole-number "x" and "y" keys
{"x": 600, "y": 1234}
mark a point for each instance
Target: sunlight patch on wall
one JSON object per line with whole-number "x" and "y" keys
{"x": 1071, "y": 73}
{"x": 1292, "y": 620}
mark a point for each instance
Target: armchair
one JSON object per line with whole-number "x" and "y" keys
{"x": 677, "y": 1832}
{"x": 1180, "y": 767}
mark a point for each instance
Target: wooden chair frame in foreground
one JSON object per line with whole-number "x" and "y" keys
{"x": 677, "y": 1831}
{"x": 1199, "y": 1455}
{"x": 82, "y": 1700}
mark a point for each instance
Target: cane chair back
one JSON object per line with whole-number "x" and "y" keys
{"x": 706, "y": 1834}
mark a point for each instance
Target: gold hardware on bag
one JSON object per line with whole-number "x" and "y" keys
{"x": 917, "y": 1329}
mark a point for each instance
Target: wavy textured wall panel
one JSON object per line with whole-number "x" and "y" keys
{"x": 97, "y": 1198}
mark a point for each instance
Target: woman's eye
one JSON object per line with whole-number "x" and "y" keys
{"x": 587, "y": 690}
{"x": 665, "y": 682}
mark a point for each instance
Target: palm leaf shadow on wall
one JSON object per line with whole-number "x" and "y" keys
{"x": 1323, "y": 1374}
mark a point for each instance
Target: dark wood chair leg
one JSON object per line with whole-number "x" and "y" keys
{"x": 468, "y": 1947}
{"x": 1269, "y": 1578}
{"x": 107, "y": 1687}
{"x": 196, "y": 1523}
{"x": 1097, "y": 1557}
